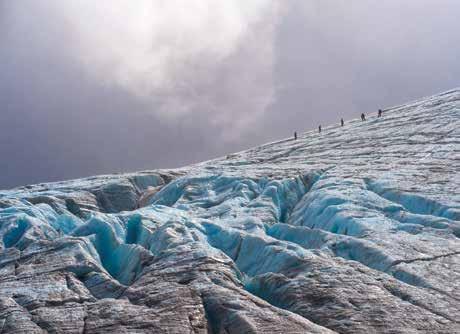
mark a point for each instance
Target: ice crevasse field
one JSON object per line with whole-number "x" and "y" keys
{"x": 352, "y": 230}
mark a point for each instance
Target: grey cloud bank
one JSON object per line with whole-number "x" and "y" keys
{"x": 88, "y": 89}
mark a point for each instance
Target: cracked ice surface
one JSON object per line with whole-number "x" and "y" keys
{"x": 354, "y": 230}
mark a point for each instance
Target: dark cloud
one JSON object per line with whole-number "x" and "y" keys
{"x": 289, "y": 70}
{"x": 340, "y": 58}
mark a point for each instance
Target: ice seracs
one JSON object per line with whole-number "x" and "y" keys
{"x": 354, "y": 230}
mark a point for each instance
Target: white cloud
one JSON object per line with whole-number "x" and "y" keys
{"x": 212, "y": 56}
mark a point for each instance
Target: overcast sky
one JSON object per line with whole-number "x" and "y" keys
{"x": 90, "y": 87}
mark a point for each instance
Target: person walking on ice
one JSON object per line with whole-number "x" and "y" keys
{"x": 380, "y": 113}
{"x": 363, "y": 117}
{"x": 319, "y": 129}
{"x": 295, "y": 135}
{"x": 342, "y": 122}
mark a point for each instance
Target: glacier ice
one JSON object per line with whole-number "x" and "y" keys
{"x": 354, "y": 230}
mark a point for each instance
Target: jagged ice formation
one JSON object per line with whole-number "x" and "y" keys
{"x": 353, "y": 230}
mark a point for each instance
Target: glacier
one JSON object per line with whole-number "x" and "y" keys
{"x": 352, "y": 230}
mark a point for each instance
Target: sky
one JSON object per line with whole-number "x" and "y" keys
{"x": 97, "y": 87}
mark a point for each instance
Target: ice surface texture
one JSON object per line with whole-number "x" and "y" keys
{"x": 353, "y": 230}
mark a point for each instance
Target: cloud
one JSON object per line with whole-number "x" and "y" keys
{"x": 205, "y": 56}
{"x": 95, "y": 87}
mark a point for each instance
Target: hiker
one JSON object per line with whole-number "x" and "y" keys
{"x": 363, "y": 117}
{"x": 319, "y": 129}
{"x": 342, "y": 122}
{"x": 380, "y": 113}
{"x": 295, "y": 135}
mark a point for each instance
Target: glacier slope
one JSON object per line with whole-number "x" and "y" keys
{"x": 354, "y": 230}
